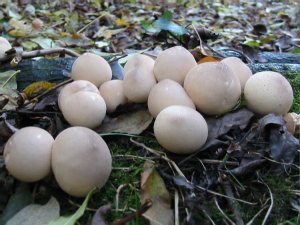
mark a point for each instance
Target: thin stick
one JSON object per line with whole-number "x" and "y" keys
{"x": 176, "y": 203}
{"x": 222, "y": 212}
{"x": 271, "y": 205}
{"x": 160, "y": 154}
{"x": 42, "y": 52}
{"x": 93, "y": 21}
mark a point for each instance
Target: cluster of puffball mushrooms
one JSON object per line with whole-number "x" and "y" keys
{"x": 177, "y": 91}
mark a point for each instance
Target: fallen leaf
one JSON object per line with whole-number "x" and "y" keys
{"x": 130, "y": 123}
{"x": 99, "y": 216}
{"x": 35, "y": 214}
{"x": 8, "y": 84}
{"x": 154, "y": 188}
{"x": 21, "y": 198}
{"x": 208, "y": 59}
{"x": 71, "y": 220}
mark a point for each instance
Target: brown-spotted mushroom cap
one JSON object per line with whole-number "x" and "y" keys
{"x": 27, "y": 154}
{"x": 137, "y": 84}
{"x": 166, "y": 93}
{"x": 82, "y": 105}
{"x": 180, "y": 129}
{"x": 113, "y": 94}
{"x": 268, "y": 92}
{"x": 4, "y": 46}
{"x": 173, "y": 63}
{"x": 239, "y": 68}
{"x": 213, "y": 88}
{"x": 139, "y": 60}
{"x": 81, "y": 161}
{"x": 91, "y": 67}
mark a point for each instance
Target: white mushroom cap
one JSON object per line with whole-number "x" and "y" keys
{"x": 81, "y": 161}
{"x": 137, "y": 84}
{"x": 166, "y": 93}
{"x": 173, "y": 63}
{"x": 113, "y": 94}
{"x": 180, "y": 129}
{"x": 268, "y": 92}
{"x": 139, "y": 60}
{"x": 27, "y": 154}
{"x": 239, "y": 68}
{"x": 82, "y": 104}
{"x": 91, "y": 67}
{"x": 292, "y": 121}
{"x": 4, "y": 46}
{"x": 213, "y": 87}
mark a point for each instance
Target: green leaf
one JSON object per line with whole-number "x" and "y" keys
{"x": 165, "y": 23}
{"x": 149, "y": 28}
{"x": 21, "y": 198}
{"x": 8, "y": 83}
{"x": 35, "y": 214}
{"x": 71, "y": 220}
{"x": 296, "y": 50}
{"x": 44, "y": 43}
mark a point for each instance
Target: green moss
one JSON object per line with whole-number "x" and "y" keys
{"x": 294, "y": 79}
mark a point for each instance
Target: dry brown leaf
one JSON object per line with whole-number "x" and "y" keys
{"x": 153, "y": 188}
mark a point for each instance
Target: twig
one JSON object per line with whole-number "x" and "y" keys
{"x": 93, "y": 21}
{"x": 118, "y": 194}
{"x": 41, "y": 52}
{"x": 233, "y": 205}
{"x": 134, "y": 215}
{"x": 222, "y": 212}
{"x": 271, "y": 205}
{"x": 176, "y": 208}
{"x": 256, "y": 215}
{"x": 160, "y": 154}
{"x": 37, "y": 98}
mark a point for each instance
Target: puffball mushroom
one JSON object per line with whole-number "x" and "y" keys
{"x": 173, "y": 63}
{"x": 180, "y": 129}
{"x": 139, "y": 60}
{"x": 91, "y": 67}
{"x": 27, "y": 154}
{"x": 81, "y": 160}
{"x": 268, "y": 92}
{"x": 81, "y": 104}
{"x": 137, "y": 84}
{"x": 239, "y": 69}
{"x": 113, "y": 94}
{"x": 166, "y": 93}
{"x": 4, "y": 46}
{"x": 213, "y": 87}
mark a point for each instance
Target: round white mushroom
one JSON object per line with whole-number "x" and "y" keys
{"x": 173, "y": 63}
{"x": 139, "y": 60}
{"x": 213, "y": 87}
{"x": 268, "y": 92}
{"x": 91, "y": 67}
{"x": 27, "y": 154}
{"x": 113, "y": 94}
{"x": 180, "y": 129}
{"x": 4, "y": 46}
{"x": 81, "y": 160}
{"x": 239, "y": 69}
{"x": 166, "y": 93}
{"x": 81, "y": 104}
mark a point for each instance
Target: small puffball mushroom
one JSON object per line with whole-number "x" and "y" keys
{"x": 166, "y": 93}
{"x": 137, "y": 84}
{"x": 4, "y": 46}
{"x": 213, "y": 87}
{"x": 180, "y": 129}
{"x": 292, "y": 121}
{"x": 173, "y": 63}
{"x": 81, "y": 161}
{"x": 268, "y": 92}
{"x": 81, "y": 104}
{"x": 91, "y": 67}
{"x": 239, "y": 69}
{"x": 113, "y": 94}
{"x": 27, "y": 154}
{"x": 139, "y": 60}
